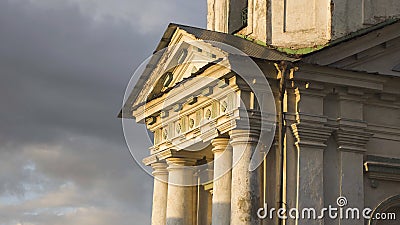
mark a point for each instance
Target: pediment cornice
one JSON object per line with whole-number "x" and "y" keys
{"x": 181, "y": 59}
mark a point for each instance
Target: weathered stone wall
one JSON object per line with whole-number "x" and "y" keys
{"x": 299, "y": 23}
{"x": 336, "y": 129}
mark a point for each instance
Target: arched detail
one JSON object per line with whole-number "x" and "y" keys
{"x": 383, "y": 207}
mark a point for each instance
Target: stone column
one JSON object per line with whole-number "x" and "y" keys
{"x": 205, "y": 206}
{"x": 221, "y": 201}
{"x": 180, "y": 201}
{"x": 160, "y": 193}
{"x": 204, "y": 196}
{"x": 246, "y": 187}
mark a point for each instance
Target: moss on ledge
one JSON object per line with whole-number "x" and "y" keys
{"x": 301, "y": 51}
{"x": 290, "y": 51}
{"x": 252, "y": 40}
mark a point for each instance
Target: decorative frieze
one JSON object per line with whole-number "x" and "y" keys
{"x": 208, "y": 117}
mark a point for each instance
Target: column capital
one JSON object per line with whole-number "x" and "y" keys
{"x": 311, "y": 131}
{"x": 159, "y": 168}
{"x": 220, "y": 144}
{"x": 352, "y": 135}
{"x": 180, "y": 162}
{"x": 239, "y": 137}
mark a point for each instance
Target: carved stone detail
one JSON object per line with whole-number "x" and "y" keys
{"x": 382, "y": 168}
{"x": 352, "y": 136}
{"x": 311, "y": 131}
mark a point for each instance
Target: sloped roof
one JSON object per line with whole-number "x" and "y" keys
{"x": 351, "y": 43}
{"x": 249, "y": 48}
{"x": 355, "y": 51}
{"x": 354, "y": 35}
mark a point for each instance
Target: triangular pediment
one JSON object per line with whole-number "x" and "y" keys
{"x": 184, "y": 57}
{"x": 376, "y": 52}
{"x": 185, "y": 52}
{"x": 180, "y": 60}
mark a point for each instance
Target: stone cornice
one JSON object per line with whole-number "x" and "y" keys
{"x": 204, "y": 132}
{"x": 340, "y": 77}
{"x": 382, "y": 168}
{"x": 385, "y": 132}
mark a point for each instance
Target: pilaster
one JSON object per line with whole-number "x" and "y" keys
{"x": 311, "y": 135}
{"x": 352, "y": 136}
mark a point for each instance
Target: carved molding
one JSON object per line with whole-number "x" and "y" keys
{"x": 385, "y": 132}
{"x": 382, "y": 168}
{"x": 220, "y": 144}
{"x": 352, "y": 135}
{"x": 311, "y": 131}
{"x": 240, "y": 137}
{"x": 159, "y": 168}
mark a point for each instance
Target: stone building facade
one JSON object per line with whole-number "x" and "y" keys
{"x": 333, "y": 71}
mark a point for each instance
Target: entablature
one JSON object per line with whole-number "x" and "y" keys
{"x": 203, "y": 117}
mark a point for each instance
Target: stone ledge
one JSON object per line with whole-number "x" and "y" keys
{"x": 382, "y": 168}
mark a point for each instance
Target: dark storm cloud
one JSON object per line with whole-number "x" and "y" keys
{"x": 55, "y": 58}
{"x": 64, "y": 66}
{"x": 63, "y": 70}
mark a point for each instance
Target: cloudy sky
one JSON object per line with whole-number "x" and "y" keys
{"x": 64, "y": 66}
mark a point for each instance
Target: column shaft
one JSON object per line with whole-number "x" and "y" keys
{"x": 246, "y": 190}
{"x": 160, "y": 193}
{"x": 221, "y": 205}
{"x": 205, "y": 204}
{"x": 181, "y": 196}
